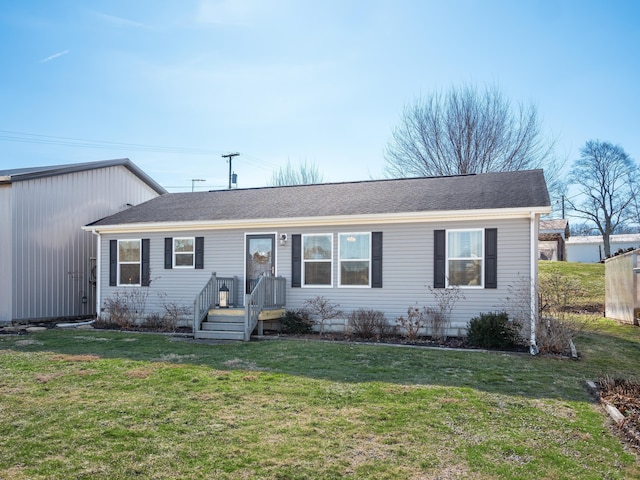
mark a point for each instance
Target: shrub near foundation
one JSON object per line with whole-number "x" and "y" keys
{"x": 367, "y": 323}
{"x": 494, "y": 331}
{"x": 296, "y": 322}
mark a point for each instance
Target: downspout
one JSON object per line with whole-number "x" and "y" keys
{"x": 533, "y": 348}
{"x": 98, "y": 268}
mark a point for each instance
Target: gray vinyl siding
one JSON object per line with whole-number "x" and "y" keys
{"x": 51, "y": 253}
{"x": 408, "y": 271}
{"x": 407, "y": 268}
{"x": 223, "y": 254}
{"x": 6, "y": 284}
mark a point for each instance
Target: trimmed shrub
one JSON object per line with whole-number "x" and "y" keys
{"x": 296, "y": 321}
{"x": 493, "y": 330}
{"x": 367, "y": 323}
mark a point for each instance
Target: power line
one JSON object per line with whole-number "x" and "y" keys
{"x": 99, "y": 144}
{"x": 35, "y": 138}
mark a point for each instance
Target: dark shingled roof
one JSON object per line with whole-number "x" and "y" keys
{"x": 22, "y": 174}
{"x": 525, "y": 189}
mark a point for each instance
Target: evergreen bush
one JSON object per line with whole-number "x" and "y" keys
{"x": 494, "y": 331}
{"x": 296, "y": 322}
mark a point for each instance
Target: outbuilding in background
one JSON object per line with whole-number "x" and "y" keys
{"x": 47, "y": 262}
{"x": 622, "y": 293}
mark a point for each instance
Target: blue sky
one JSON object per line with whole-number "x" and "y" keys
{"x": 174, "y": 85}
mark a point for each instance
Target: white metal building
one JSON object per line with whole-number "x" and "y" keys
{"x": 46, "y": 259}
{"x": 590, "y": 248}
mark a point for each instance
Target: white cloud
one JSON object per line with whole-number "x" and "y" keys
{"x": 54, "y": 56}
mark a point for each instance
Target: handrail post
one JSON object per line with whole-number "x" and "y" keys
{"x": 206, "y": 296}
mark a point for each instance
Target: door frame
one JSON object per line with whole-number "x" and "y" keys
{"x": 272, "y": 236}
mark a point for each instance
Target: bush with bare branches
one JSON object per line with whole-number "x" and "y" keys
{"x": 439, "y": 316}
{"x": 127, "y": 306}
{"x": 367, "y": 323}
{"x": 413, "y": 324}
{"x": 556, "y": 325}
{"x": 321, "y": 310}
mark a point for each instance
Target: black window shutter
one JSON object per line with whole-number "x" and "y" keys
{"x": 296, "y": 260}
{"x": 146, "y": 272}
{"x": 439, "y": 258}
{"x": 113, "y": 263}
{"x": 168, "y": 252}
{"x": 376, "y": 260}
{"x": 491, "y": 258}
{"x": 199, "y": 260}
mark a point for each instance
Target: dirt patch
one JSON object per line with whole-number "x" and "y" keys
{"x": 75, "y": 358}
{"x": 624, "y": 394}
{"x": 47, "y": 377}
{"x": 102, "y": 324}
{"x": 142, "y": 373}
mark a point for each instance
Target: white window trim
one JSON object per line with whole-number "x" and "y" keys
{"x": 139, "y": 262}
{"x": 329, "y": 260}
{"x": 447, "y": 258}
{"x": 174, "y": 253}
{"x": 340, "y": 285}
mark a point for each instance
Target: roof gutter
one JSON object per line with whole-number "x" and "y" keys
{"x": 98, "y": 268}
{"x": 533, "y": 249}
{"x": 387, "y": 218}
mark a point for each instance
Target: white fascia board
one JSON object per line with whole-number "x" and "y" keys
{"x": 378, "y": 219}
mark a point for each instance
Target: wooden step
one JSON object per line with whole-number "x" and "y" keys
{"x": 229, "y": 323}
{"x": 225, "y": 318}
{"x": 219, "y": 335}
{"x": 236, "y": 312}
{"x": 223, "y": 326}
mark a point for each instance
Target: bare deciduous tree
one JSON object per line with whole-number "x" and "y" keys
{"x": 469, "y": 131}
{"x": 604, "y": 175}
{"x": 303, "y": 174}
{"x": 634, "y": 219}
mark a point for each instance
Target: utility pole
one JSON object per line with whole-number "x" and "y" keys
{"x": 230, "y": 156}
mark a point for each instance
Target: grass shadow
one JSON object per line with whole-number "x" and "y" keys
{"x": 605, "y": 351}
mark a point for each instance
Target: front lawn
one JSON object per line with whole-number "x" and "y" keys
{"x": 99, "y": 404}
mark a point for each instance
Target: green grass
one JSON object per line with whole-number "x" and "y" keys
{"x": 589, "y": 276}
{"x": 98, "y": 404}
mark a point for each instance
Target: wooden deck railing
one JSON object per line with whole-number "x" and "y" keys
{"x": 209, "y": 297}
{"x": 268, "y": 293}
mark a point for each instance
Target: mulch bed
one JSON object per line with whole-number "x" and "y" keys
{"x": 625, "y": 396}
{"x": 450, "y": 342}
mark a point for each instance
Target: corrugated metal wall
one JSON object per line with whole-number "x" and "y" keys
{"x": 52, "y": 255}
{"x": 6, "y": 284}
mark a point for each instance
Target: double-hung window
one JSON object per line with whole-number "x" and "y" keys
{"x": 355, "y": 259}
{"x": 129, "y": 262}
{"x": 183, "y": 252}
{"x": 465, "y": 257}
{"x": 317, "y": 255}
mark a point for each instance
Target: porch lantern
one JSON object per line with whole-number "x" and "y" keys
{"x": 223, "y": 296}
